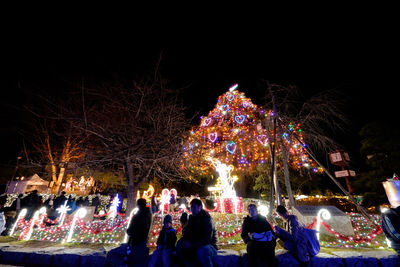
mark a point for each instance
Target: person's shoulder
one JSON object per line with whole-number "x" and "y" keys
{"x": 246, "y": 218}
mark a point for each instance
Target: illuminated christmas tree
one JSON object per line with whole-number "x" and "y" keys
{"x": 232, "y": 135}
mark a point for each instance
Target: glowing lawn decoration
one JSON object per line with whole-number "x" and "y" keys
{"x": 63, "y": 210}
{"x": 322, "y": 214}
{"x": 225, "y": 180}
{"x": 79, "y": 214}
{"x": 114, "y": 207}
{"x": 34, "y": 219}
{"x": 146, "y": 194}
{"x": 133, "y": 212}
{"x": 21, "y": 214}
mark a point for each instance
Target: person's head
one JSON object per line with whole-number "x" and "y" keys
{"x": 184, "y": 218}
{"x": 282, "y": 211}
{"x": 63, "y": 193}
{"x": 196, "y": 206}
{"x": 20, "y": 195}
{"x": 141, "y": 203}
{"x": 252, "y": 210}
{"x": 167, "y": 221}
{"x": 34, "y": 192}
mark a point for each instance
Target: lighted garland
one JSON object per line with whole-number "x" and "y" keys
{"x": 232, "y": 133}
{"x": 228, "y": 228}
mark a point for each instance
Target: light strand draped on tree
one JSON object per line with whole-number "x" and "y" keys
{"x": 232, "y": 133}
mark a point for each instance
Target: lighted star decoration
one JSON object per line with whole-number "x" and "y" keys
{"x": 63, "y": 210}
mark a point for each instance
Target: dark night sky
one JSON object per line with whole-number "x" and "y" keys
{"x": 364, "y": 75}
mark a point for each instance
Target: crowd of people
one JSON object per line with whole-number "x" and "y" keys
{"x": 198, "y": 243}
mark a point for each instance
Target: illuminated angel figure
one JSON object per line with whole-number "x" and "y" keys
{"x": 225, "y": 179}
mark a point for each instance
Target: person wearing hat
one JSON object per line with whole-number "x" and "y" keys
{"x": 165, "y": 245}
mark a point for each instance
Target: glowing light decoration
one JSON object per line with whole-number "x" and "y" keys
{"x": 133, "y": 212}
{"x": 323, "y": 214}
{"x": 146, "y": 194}
{"x": 225, "y": 180}
{"x": 207, "y": 121}
{"x": 165, "y": 194}
{"x": 233, "y": 87}
{"x": 264, "y": 210}
{"x": 242, "y": 141}
{"x": 392, "y": 189}
{"x": 63, "y": 210}
{"x": 262, "y": 139}
{"x": 240, "y": 118}
{"x": 33, "y": 220}
{"x": 114, "y": 207}
{"x": 231, "y": 147}
{"x": 230, "y": 97}
{"x": 213, "y": 136}
{"x": 21, "y": 214}
{"x": 80, "y": 213}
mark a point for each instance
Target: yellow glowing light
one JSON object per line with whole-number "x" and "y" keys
{"x": 146, "y": 194}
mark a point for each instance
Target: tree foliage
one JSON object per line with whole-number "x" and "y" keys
{"x": 380, "y": 147}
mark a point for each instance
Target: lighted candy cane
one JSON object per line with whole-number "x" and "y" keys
{"x": 79, "y": 214}
{"x": 21, "y": 214}
{"x": 34, "y": 218}
{"x": 326, "y": 215}
{"x": 133, "y": 212}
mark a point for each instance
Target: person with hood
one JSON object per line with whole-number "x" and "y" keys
{"x": 138, "y": 232}
{"x": 294, "y": 237}
{"x": 259, "y": 238}
{"x": 197, "y": 236}
{"x": 165, "y": 245}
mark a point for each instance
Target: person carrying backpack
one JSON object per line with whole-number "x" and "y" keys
{"x": 391, "y": 227}
{"x": 295, "y": 238}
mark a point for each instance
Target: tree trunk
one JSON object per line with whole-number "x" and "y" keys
{"x": 61, "y": 175}
{"x": 286, "y": 167}
{"x": 131, "y": 202}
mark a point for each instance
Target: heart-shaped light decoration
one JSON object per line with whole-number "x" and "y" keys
{"x": 262, "y": 138}
{"x": 207, "y": 122}
{"x": 246, "y": 104}
{"x": 212, "y": 137}
{"x": 230, "y": 97}
{"x": 231, "y": 147}
{"x": 240, "y": 118}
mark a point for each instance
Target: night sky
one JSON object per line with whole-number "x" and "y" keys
{"x": 365, "y": 76}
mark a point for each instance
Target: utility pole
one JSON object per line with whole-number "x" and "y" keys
{"x": 361, "y": 209}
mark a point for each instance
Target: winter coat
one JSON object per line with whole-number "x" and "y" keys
{"x": 299, "y": 238}
{"x": 167, "y": 238}
{"x": 138, "y": 230}
{"x": 199, "y": 229}
{"x": 259, "y": 225}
